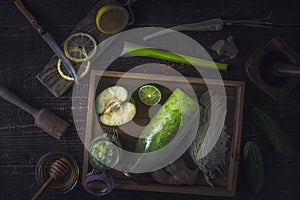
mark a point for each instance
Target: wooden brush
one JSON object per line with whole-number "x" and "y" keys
{"x": 47, "y": 121}
{"x": 58, "y": 169}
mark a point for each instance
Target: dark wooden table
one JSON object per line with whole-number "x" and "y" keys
{"x": 23, "y": 54}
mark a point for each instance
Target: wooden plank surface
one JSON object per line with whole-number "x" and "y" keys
{"x": 23, "y": 54}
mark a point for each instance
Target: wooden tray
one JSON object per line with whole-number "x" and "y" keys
{"x": 224, "y": 185}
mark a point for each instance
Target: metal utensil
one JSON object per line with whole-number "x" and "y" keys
{"x": 48, "y": 39}
{"x": 215, "y": 24}
{"x": 58, "y": 169}
{"x": 47, "y": 121}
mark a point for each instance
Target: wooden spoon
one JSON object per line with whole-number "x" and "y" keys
{"x": 58, "y": 169}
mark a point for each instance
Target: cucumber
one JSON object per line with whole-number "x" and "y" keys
{"x": 272, "y": 130}
{"x": 165, "y": 124}
{"x": 254, "y": 167}
{"x": 169, "y": 120}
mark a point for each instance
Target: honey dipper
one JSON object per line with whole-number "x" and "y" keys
{"x": 59, "y": 168}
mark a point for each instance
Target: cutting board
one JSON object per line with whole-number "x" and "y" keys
{"x": 50, "y": 77}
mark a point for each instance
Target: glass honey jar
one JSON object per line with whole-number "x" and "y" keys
{"x": 63, "y": 184}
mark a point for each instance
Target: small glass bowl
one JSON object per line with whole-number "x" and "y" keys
{"x": 61, "y": 185}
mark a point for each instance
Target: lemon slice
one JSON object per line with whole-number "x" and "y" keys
{"x": 80, "y": 47}
{"x": 82, "y": 70}
{"x": 149, "y": 95}
{"x": 112, "y": 19}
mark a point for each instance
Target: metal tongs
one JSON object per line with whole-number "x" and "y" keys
{"x": 215, "y": 24}
{"x": 260, "y": 22}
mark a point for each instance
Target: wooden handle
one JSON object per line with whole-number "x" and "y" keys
{"x": 12, "y": 98}
{"x": 41, "y": 190}
{"x": 287, "y": 70}
{"x": 29, "y": 17}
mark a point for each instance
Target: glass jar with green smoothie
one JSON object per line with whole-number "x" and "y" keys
{"x": 104, "y": 153}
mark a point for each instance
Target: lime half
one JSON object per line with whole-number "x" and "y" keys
{"x": 149, "y": 95}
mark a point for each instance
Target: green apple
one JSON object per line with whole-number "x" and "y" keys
{"x": 113, "y": 106}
